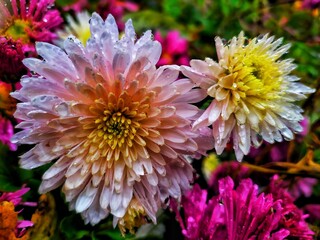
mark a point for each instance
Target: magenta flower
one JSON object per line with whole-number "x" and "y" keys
{"x": 174, "y": 48}
{"x": 8, "y": 201}
{"x": 234, "y": 214}
{"x": 292, "y": 218}
{"x": 29, "y": 21}
{"x": 11, "y": 55}
{"x": 117, "y": 128}
{"x": 16, "y": 197}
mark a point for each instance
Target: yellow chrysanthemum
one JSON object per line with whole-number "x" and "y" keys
{"x": 252, "y": 93}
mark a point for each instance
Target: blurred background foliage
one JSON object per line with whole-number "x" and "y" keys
{"x": 199, "y": 21}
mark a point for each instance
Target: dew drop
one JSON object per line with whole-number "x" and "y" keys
{"x": 63, "y": 109}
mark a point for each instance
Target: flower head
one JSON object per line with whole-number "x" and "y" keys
{"x": 252, "y": 93}
{"x": 292, "y": 218}
{"x": 29, "y": 21}
{"x": 175, "y": 48}
{"x": 79, "y": 28}
{"x": 119, "y": 128}
{"x": 234, "y": 214}
{"x": 10, "y": 226}
{"x": 11, "y": 55}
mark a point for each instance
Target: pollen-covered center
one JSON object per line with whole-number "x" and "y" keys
{"x": 116, "y": 128}
{"x": 252, "y": 75}
{"x": 116, "y": 131}
{"x": 17, "y": 30}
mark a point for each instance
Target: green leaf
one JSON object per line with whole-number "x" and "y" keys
{"x": 147, "y": 19}
{"x": 113, "y": 234}
{"x": 172, "y": 7}
{"x": 62, "y": 3}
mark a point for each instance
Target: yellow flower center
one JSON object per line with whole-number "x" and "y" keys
{"x": 256, "y": 74}
{"x": 17, "y": 30}
{"x": 116, "y": 132}
{"x": 116, "y": 128}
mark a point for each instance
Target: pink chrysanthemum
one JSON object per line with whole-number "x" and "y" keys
{"x": 29, "y": 21}
{"x": 119, "y": 127}
{"x": 234, "y": 214}
{"x": 10, "y": 226}
{"x": 252, "y": 93}
{"x": 174, "y": 48}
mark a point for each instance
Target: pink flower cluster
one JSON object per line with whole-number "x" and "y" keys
{"x": 241, "y": 213}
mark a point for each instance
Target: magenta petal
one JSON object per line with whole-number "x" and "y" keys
{"x": 24, "y": 224}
